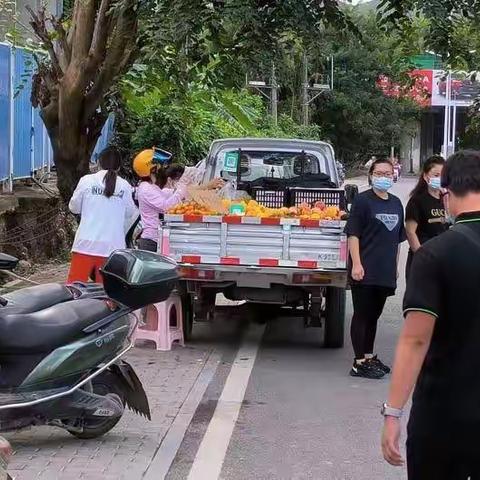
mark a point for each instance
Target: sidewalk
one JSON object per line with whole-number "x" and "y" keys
{"x": 45, "y": 453}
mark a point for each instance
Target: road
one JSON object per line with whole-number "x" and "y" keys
{"x": 273, "y": 405}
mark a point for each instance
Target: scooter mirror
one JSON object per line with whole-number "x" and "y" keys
{"x": 136, "y": 278}
{"x": 7, "y": 262}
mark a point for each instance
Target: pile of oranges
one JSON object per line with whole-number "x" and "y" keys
{"x": 319, "y": 211}
{"x": 191, "y": 208}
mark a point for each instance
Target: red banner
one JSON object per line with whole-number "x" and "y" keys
{"x": 420, "y": 89}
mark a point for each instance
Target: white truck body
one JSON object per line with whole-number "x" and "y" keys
{"x": 273, "y": 261}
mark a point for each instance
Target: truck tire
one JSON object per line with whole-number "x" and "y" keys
{"x": 335, "y": 317}
{"x": 187, "y": 316}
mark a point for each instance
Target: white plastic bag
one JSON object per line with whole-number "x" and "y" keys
{"x": 229, "y": 192}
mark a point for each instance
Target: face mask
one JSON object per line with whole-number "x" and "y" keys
{"x": 382, "y": 184}
{"x": 435, "y": 183}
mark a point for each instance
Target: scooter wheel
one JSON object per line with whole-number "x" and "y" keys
{"x": 105, "y": 384}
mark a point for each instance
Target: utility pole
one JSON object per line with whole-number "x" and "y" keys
{"x": 446, "y": 119}
{"x": 260, "y": 86}
{"x": 309, "y": 94}
{"x": 274, "y": 96}
{"x": 305, "y": 95}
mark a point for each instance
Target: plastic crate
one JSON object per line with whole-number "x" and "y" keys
{"x": 270, "y": 198}
{"x": 328, "y": 196}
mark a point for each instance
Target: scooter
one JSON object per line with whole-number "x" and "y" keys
{"x": 61, "y": 347}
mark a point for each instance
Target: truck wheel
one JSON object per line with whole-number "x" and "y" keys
{"x": 187, "y": 316}
{"x": 335, "y": 317}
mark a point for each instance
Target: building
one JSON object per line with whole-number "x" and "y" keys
{"x": 14, "y": 16}
{"x": 444, "y": 117}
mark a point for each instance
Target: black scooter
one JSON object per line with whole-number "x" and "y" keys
{"x": 61, "y": 346}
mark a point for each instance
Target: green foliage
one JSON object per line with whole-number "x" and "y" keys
{"x": 451, "y": 31}
{"x": 187, "y": 87}
{"x": 471, "y": 137}
{"x": 357, "y": 117}
{"x": 186, "y": 125}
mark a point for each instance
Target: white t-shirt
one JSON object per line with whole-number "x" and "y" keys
{"x": 104, "y": 221}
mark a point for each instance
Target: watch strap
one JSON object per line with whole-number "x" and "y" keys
{"x": 388, "y": 411}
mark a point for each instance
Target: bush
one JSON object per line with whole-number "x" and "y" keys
{"x": 187, "y": 124}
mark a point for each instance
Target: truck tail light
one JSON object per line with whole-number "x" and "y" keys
{"x": 194, "y": 274}
{"x": 311, "y": 278}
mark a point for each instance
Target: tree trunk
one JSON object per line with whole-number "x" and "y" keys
{"x": 72, "y": 160}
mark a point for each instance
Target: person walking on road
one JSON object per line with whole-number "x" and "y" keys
{"x": 375, "y": 230}
{"x": 438, "y": 349}
{"x": 105, "y": 204}
{"x": 425, "y": 213}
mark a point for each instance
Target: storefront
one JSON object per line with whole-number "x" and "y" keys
{"x": 445, "y": 98}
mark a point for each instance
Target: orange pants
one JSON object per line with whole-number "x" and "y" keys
{"x": 83, "y": 267}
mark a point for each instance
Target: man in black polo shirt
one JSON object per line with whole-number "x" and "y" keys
{"x": 439, "y": 347}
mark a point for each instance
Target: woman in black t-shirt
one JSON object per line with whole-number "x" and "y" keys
{"x": 375, "y": 231}
{"x": 425, "y": 213}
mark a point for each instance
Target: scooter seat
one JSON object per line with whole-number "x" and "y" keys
{"x": 45, "y": 330}
{"x": 33, "y": 299}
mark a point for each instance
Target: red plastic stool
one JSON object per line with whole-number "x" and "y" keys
{"x": 163, "y": 324}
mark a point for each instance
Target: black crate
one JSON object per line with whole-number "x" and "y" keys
{"x": 311, "y": 195}
{"x": 270, "y": 198}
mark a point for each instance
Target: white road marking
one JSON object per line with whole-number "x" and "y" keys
{"x": 211, "y": 453}
{"x": 165, "y": 455}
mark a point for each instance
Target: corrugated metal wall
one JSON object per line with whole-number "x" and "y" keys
{"x": 22, "y": 114}
{"x": 4, "y": 112}
{"x": 31, "y": 149}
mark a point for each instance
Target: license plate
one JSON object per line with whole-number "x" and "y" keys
{"x": 328, "y": 257}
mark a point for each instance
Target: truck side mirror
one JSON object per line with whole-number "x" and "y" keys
{"x": 351, "y": 191}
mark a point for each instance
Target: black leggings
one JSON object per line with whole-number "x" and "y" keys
{"x": 368, "y": 303}
{"x": 408, "y": 265}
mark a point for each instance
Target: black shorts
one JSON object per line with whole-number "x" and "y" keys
{"x": 147, "y": 244}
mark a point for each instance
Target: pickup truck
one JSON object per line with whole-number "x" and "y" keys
{"x": 293, "y": 265}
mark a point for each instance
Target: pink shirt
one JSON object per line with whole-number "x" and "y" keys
{"x": 152, "y": 201}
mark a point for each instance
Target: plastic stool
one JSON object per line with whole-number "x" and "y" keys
{"x": 163, "y": 324}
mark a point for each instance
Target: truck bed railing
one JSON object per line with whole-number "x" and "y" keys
{"x": 251, "y": 241}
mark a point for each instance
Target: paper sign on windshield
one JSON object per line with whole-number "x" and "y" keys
{"x": 231, "y": 162}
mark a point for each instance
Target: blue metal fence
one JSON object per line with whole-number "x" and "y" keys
{"x": 22, "y": 114}
{"x": 4, "y": 112}
{"x": 24, "y": 144}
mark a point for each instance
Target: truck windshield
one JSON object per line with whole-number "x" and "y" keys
{"x": 270, "y": 164}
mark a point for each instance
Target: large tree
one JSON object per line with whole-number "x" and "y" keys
{"x": 86, "y": 53}
{"x": 184, "y": 39}
{"x": 451, "y": 26}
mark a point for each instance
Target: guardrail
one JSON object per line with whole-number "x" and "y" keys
{"x": 24, "y": 143}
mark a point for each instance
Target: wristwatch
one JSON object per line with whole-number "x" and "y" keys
{"x": 387, "y": 411}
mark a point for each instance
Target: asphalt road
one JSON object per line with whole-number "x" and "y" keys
{"x": 301, "y": 415}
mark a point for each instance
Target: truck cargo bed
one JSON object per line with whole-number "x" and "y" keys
{"x": 251, "y": 241}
